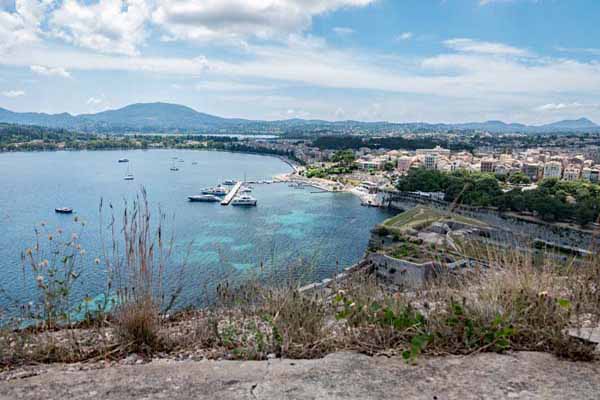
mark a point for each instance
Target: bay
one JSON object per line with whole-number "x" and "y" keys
{"x": 311, "y": 234}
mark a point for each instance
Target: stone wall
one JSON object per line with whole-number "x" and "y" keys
{"x": 511, "y": 225}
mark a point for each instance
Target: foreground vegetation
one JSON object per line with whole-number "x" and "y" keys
{"x": 520, "y": 304}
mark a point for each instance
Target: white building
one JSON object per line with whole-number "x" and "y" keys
{"x": 552, "y": 169}
{"x": 590, "y": 174}
{"x": 430, "y": 161}
{"x": 488, "y": 165}
{"x": 438, "y": 151}
{"x": 571, "y": 174}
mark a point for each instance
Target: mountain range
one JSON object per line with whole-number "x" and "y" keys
{"x": 165, "y": 117}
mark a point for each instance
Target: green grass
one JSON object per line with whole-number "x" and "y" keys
{"x": 420, "y": 216}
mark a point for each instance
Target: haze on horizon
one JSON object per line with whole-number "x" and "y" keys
{"x": 527, "y": 61}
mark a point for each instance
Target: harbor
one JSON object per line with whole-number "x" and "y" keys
{"x": 232, "y": 193}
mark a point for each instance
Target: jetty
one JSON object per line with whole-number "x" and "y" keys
{"x": 231, "y": 194}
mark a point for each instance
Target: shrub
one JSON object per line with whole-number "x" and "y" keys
{"x": 137, "y": 274}
{"x": 55, "y": 262}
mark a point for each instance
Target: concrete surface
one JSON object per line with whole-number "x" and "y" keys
{"x": 338, "y": 376}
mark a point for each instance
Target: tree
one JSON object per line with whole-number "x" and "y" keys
{"x": 344, "y": 158}
{"x": 519, "y": 178}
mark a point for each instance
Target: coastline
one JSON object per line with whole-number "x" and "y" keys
{"x": 326, "y": 185}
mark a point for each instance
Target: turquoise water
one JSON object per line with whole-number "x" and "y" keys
{"x": 289, "y": 228}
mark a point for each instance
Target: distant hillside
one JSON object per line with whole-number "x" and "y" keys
{"x": 165, "y": 117}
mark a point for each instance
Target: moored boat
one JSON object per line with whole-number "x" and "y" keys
{"x": 123, "y": 160}
{"x": 128, "y": 175}
{"x": 63, "y": 210}
{"x": 216, "y": 191}
{"x": 204, "y": 198}
{"x": 244, "y": 200}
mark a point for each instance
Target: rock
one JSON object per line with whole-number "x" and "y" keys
{"x": 590, "y": 335}
{"x": 338, "y": 376}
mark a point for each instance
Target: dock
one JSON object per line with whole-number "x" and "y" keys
{"x": 231, "y": 194}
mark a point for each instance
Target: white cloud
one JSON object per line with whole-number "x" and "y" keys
{"x": 108, "y": 26}
{"x": 50, "y": 71}
{"x": 13, "y": 93}
{"x": 94, "y": 101}
{"x": 405, "y": 36}
{"x": 21, "y": 26}
{"x": 239, "y": 20}
{"x": 343, "y": 31}
{"x": 293, "y": 113}
{"x": 588, "y": 50}
{"x": 479, "y": 47}
{"x": 230, "y": 86}
{"x": 575, "y": 106}
{"x": 80, "y": 60}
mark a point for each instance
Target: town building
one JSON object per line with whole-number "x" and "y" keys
{"x": 571, "y": 174}
{"x": 430, "y": 161}
{"x": 488, "y": 165}
{"x": 552, "y": 169}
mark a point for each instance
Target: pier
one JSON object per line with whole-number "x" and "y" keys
{"x": 231, "y": 194}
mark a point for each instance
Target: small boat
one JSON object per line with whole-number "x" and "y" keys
{"x": 229, "y": 182}
{"x": 245, "y": 189}
{"x": 63, "y": 210}
{"x": 204, "y": 198}
{"x": 128, "y": 175}
{"x": 216, "y": 191}
{"x": 244, "y": 200}
{"x": 195, "y": 163}
{"x": 123, "y": 160}
{"x": 173, "y": 167}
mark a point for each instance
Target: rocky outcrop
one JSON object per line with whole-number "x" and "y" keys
{"x": 337, "y": 376}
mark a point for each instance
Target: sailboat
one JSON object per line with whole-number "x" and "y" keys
{"x": 128, "y": 175}
{"x": 173, "y": 167}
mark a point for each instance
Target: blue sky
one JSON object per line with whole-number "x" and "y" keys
{"x": 531, "y": 61}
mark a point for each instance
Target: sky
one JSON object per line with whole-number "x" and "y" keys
{"x": 528, "y": 61}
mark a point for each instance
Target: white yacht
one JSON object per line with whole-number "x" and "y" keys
{"x": 244, "y": 200}
{"x": 204, "y": 198}
{"x": 128, "y": 175}
{"x": 229, "y": 182}
{"x": 216, "y": 191}
{"x": 245, "y": 189}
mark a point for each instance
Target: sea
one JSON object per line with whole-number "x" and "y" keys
{"x": 294, "y": 233}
